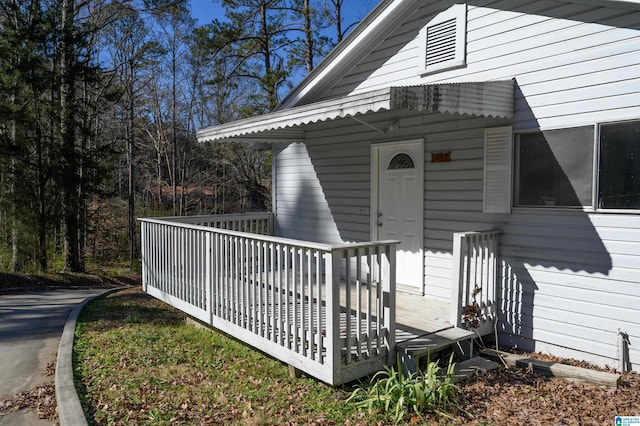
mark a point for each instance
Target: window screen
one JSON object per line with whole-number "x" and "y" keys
{"x": 555, "y": 168}
{"x": 619, "y": 175}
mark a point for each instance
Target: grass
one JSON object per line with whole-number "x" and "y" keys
{"x": 138, "y": 362}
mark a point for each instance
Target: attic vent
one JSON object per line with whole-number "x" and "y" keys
{"x": 441, "y": 43}
{"x": 443, "y": 40}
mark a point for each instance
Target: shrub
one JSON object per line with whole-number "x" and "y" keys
{"x": 389, "y": 391}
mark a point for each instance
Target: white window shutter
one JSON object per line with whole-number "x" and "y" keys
{"x": 498, "y": 158}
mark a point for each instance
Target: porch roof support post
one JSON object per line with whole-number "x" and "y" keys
{"x": 271, "y": 224}
{"x": 332, "y": 273}
{"x": 457, "y": 272}
{"x": 389, "y": 299}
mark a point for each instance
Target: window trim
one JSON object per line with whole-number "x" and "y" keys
{"x": 459, "y": 13}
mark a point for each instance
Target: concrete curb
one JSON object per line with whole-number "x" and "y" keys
{"x": 70, "y": 411}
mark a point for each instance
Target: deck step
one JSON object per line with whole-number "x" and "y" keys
{"x": 476, "y": 366}
{"x": 412, "y": 350}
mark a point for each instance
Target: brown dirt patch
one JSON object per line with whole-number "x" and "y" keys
{"x": 22, "y": 283}
{"x": 515, "y": 396}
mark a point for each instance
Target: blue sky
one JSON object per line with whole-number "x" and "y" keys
{"x": 206, "y": 10}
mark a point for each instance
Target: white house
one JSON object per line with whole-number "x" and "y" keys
{"x": 435, "y": 118}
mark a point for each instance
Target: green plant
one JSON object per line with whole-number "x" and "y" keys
{"x": 392, "y": 393}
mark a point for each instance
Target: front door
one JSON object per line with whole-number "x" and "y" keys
{"x": 399, "y": 208}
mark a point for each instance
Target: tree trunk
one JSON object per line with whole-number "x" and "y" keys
{"x": 308, "y": 33}
{"x": 69, "y": 158}
{"x": 272, "y": 96}
{"x": 131, "y": 155}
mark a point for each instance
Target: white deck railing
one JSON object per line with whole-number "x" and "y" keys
{"x": 474, "y": 300}
{"x": 326, "y": 310}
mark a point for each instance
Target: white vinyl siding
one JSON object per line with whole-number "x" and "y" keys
{"x": 573, "y": 63}
{"x": 323, "y": 185}
{"x": 571, "y": 281}
{"x": 301, "y": 208}
{"x": 570, "y": 278}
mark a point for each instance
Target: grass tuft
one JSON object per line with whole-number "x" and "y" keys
{"x": 390, "y": 392}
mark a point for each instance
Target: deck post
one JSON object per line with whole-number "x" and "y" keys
{"x": 145, "y": 252}
{"x": 332, "y": 273}
{"x": 270, "y": 224}
{"x": 389, "y": 299}
{"x": 457, "y": 279}
{"x": 208, "y": 259}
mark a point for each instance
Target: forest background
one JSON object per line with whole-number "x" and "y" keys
{"x": 99, "y": 104}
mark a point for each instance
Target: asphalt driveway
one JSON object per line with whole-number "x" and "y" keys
{"x": 31, "y": 325}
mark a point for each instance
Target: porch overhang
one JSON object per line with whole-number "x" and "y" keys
{"x": 484, "y": 99}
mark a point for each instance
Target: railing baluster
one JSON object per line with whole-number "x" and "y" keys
{"x": 379, "y": 308}
{"x": 294, "y": 278}
{"x": 272, "y": 290}
{"x": 288, "y": 299}
{"x": 303, "y": 302}
{"x": 278, "y": 289}
{"x": 318, "y": 284}
{"x": 312, "y": 304}
{"x": 368, "y": 293}
{"x": 228, "y": 246}
{"x": 358, "y": 303}
{"x": 347, "y": 260}
{"x": 260, "y": 284}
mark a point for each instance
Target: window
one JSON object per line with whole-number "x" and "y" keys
{"x": 619, "y": 171}
{"x": 443, "y": 41}
{"x": 555, "y": 168}
{"x": 401, "y": 161}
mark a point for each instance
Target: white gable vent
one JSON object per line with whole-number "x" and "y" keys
{"x": 441, "y": 43}
{"x": 443, "y": 40}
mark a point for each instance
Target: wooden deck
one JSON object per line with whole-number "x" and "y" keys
{"x": 417, "y": 315}
{"x": 332, "y": 311}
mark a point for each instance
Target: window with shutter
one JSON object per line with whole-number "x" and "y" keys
{"x": 443, "y": 41}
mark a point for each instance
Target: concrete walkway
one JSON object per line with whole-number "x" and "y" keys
{"x": 31, "y": 326}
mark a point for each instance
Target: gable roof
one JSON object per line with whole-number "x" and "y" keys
{"x": 370, "y": 32}
{"x": 299, "y": 107}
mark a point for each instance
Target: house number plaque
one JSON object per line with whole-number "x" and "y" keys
{"x": 441, "y": 157}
